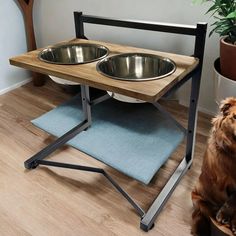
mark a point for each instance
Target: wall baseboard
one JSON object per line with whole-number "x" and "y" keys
{"x": 14, "y": 86}
{"x": 201, "y": 109}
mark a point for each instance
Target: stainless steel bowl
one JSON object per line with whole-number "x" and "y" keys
{"x": 136, "y": 67}
{"x": 70, "y": 54}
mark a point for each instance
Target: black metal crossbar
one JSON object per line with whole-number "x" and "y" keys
{"x": 139, "y": 210}
{"x": 142, "y": 25}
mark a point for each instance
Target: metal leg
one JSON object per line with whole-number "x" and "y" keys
{"x": 86, "y": 103}
{"x": 148, "y": 220}
{"x": 192, "y": 118}
{"x": 32, "y": 162}
{"x": 152, "y": 213}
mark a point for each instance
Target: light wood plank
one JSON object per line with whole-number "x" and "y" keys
{"x": 87, "y": 73}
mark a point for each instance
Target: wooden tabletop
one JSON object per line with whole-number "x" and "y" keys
{"x": 87, "y": 74}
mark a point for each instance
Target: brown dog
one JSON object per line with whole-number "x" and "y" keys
{"x": 215, "y": 193}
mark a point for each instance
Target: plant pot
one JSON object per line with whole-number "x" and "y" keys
{"x": 224, "y": 87}
{"x": 227, "y": 59}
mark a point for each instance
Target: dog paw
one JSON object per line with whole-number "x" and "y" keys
{"x": 233, "y": 225}
{"x": 225, "y": 214}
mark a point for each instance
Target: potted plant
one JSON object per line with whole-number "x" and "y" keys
{"x": 224, "y": 14}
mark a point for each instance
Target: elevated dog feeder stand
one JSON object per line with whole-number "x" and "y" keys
{"x": 87, "y": 76}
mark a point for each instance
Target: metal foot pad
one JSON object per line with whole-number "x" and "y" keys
{"x": 30, "y": 165}
{"x": 146, "y": 228}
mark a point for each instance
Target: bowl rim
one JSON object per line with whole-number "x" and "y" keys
{"x": 71, "y": 45}
{"x": 139, "y": 54}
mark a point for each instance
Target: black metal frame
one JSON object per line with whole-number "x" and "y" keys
{"x": 199, "y": 32}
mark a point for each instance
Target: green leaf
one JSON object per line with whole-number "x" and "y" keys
{"x": 231, "y": 15}
{"x": 212, "y": 8}
{"x": 224, "y": 14}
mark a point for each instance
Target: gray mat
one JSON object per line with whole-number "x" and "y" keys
{"x": 133, "y": 138}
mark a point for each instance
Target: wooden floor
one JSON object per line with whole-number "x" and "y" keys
{"x": 53, "y": 201}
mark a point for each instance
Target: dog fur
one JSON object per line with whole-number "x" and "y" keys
{"x": 215, "y": 192}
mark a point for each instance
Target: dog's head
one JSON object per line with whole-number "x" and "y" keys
{"x": 224, "y": 125}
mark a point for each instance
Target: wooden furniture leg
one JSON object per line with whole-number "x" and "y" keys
{"x": 27, "y": 10}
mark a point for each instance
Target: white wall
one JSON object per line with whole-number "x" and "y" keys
{"x": 12, "y": 43}
{"x": 54, "y": 22}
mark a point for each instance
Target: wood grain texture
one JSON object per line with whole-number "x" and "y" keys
{"x": 53, "y": 201}
{"x": 87, "y": 73}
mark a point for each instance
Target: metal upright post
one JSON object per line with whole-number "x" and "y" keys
{"x": 32, "y": 162}
{"x": 148, "y": 220}
{"x": 86, "y": 103}
{"x": 195, "y": 87}
{"x": 79, "y": 26}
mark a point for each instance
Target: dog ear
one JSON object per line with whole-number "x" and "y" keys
{"x": 221, "y": 139}
{"x": 225, "y": 109}
{"x": 226, "y": 104}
